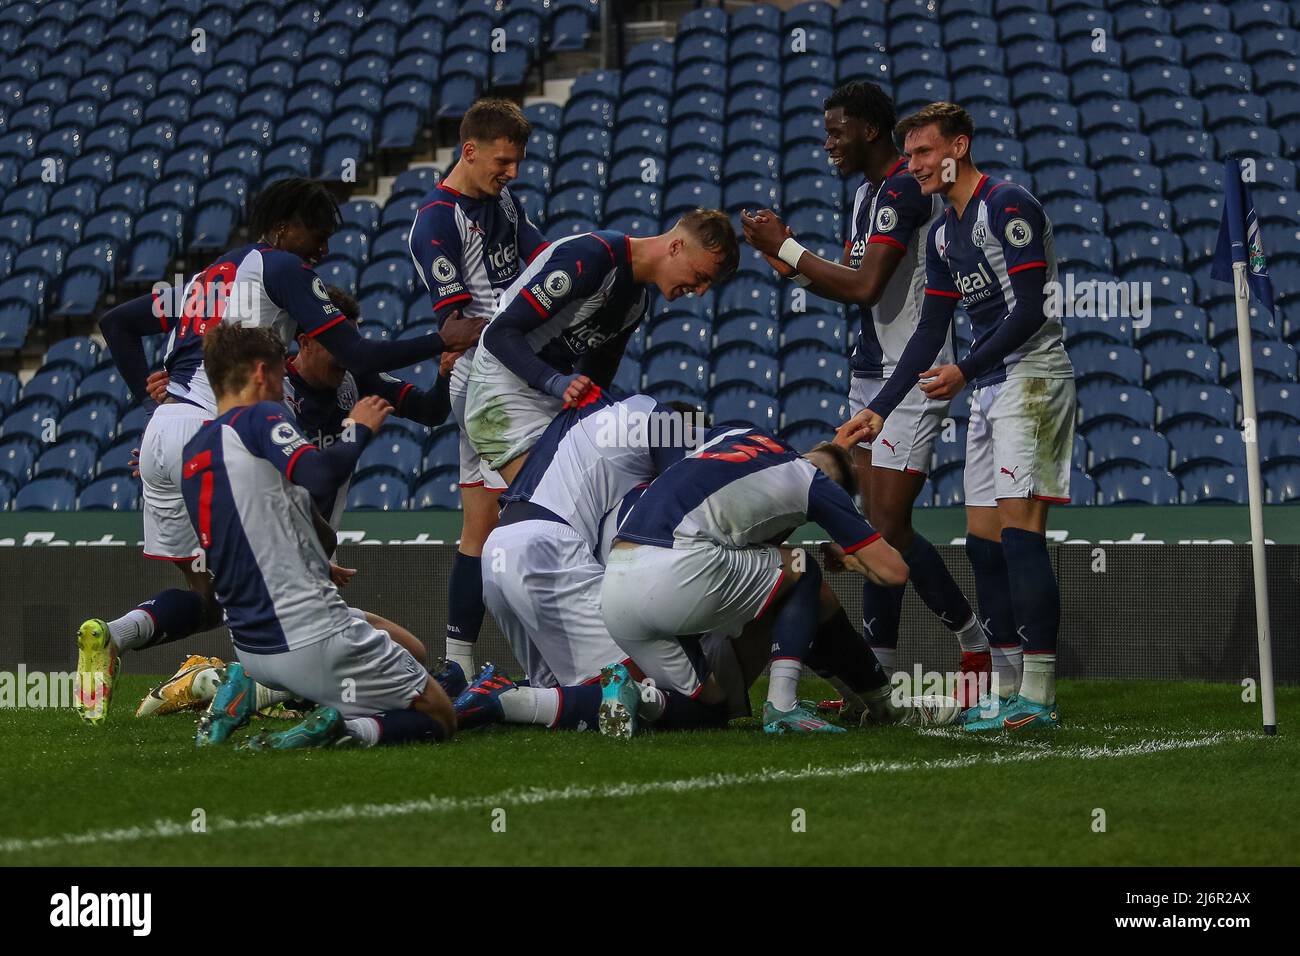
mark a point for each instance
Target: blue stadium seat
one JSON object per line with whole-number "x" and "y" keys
{"x": 1282, "y": 483}
{"x": 745, "y": 365}
{"x": 1215, "y": 484}
{"x": 825, "y": 330}
{"x": 378, "y": 492}
{"x": 18, "y": 454}
{"x": 1195, "y": 443}
{"x": 738, "y": 403}
{"x": 1187, "y": 361}
{"x": 1101, "y": 402}
{"x": 402, "y": 456}
{"x": 674, "y": 367}
{"x": 1182, "y": 401}
{"x": 806, "y": 365}
{"x": 47, "y": 494}
{"x": 756, "y": 332}
{"x": 118, "y": 492}
{"x": 9, "y": 389}
{"x": 810, "y": 403}
{"x": 1083, "y": 489}
{"x": 680, "y": 332}
{"x": 1117, "y": 444}
{"x": 439, "y": 490}
{"x": 1278, "y": 401}
{"x": 118, "y": 458}
{"x": 94, "y": 418}
{"x": 1273, "y": 361}
{"x": 1136, "y": 485}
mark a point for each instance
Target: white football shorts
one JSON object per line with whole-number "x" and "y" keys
{"x": 474, "y": 471}
{"x": 1020, "y": 441}
{"x": 906, "y": 442}
{"x": 504, "y": 417}
{"x": 168, "y": 533}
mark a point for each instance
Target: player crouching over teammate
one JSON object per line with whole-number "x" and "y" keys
{"x": 700, "y": 552}
{"x": 248, "y": 482}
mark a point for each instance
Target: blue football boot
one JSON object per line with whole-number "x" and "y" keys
{"x": 801, "y": 719}
{"x": 1015, "y": 713}
{"x": 450, "y": 675}
{"x": 480, "y": 703}
{"x": 322, "y": 727}
{"x": 231, "y": 707}
{"x": 619, "y": 698}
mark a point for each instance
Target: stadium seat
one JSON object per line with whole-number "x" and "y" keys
{"x": 118, "y": 492}
{"x": 1214, "y": 484}
{"x": 1116, "y": 444}
{"x": 1109, "y": 363}
{"x": 1185, "y": 401}
{"x": 396, "y": 454}
{"x": 1083, "y": 489}
{"x": 1136, "y": 485}
{"x": 54, "y": 493}
{"x": 1282, "y": 483}
{"x": 1195, "y": 444}
{"x": 378, "y": 492}
{"x": 18, "y": 454}
{"x": 1185, "y": 361}
{"x": 1101, "y": 402}
{"x": 814, "y": 404}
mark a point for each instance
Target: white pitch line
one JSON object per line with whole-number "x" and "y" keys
{"x": 535, "y": 796}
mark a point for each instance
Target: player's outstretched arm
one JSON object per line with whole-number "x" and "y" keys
{"x": 922, "y": 348}
{"x": 878, "y": 562}
{"x": 360, "y": 356}
{"x": 832, "y": 280}
{"x": 429, "y": 408}
{"x": 124, "y": 326}
{"x": 601, "y": 365}
{"x": 323, "y": 471}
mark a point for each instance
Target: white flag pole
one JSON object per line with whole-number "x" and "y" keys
{"x": 1256, "y": 496}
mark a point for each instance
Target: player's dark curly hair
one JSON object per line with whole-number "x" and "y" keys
{"x": 296, "y": 199}
{"x": 842, "y": 472}
{"x": 864, "y": 101}
{"x": 231, "y": 352}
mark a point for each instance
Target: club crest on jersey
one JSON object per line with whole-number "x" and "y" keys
{"x": 347, "y": 393}
{"x": 979, "y": 233}
{"x": 1019, "y": 233}
{"x": 557, "y": 284}
{"x": 508, "y": 207}
{"x": 442, "y": 269}
{"x": 886, "y": 219}
{"x": 318, "y": 289}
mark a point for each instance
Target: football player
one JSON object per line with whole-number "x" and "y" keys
{"x": 469, "y": 240}
{"x": 249, "y": 478}
{"x": 268, "y": 283}
{"x": 992, "y": 251}
{"x": 560, "y": 330}
{"x": 883, "y": 274}
{"x": 701, "y": 551}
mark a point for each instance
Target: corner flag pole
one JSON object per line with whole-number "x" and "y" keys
{"x": 1239, "y": 243}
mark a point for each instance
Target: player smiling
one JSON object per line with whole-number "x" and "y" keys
{"x": 992, "y": 251}
{"x": 883, "y": 274}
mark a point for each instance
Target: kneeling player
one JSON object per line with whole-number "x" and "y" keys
{"x": 248, "y": 481}
{"x": 700, "y": 552}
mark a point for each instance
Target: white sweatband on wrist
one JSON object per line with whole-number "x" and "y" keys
{"x": 801, "y": 280}
{"x": 790, "y": 253}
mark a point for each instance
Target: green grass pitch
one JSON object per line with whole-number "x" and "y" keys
{"x": 1179, "y": 771}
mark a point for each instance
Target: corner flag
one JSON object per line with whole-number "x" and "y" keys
{"x": 1239, "y": 238}
{"x": 1239, "y": 259}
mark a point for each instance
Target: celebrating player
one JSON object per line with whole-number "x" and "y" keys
{"x": 883, "y": 273}
{"x": 268, "y": 283}
{"x": 992, "y": 250}
{"x": 249, "y": 479}
{"x": 541, "y": 580}
{"x": 467, "y": 241}
{"x": 559, "y": 333}
{"x": 699, "y": 552}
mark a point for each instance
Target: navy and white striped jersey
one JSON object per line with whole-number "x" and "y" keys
{"x": 899, "y": 215}
{"x": 255, "y": 527}
{"x": 319, "y": 412}
{"x": 590, "y": 457}
{"x": 1002, "y": 231}
{"x": 467, "y": 251}
{"x": 742, "y": 487}
{"x": 575, "y": 297}
{"x": 253, "y": 285}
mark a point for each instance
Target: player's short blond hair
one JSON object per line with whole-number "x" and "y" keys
{"x": 712, "y": 229}
{"x": 231, "y": 352}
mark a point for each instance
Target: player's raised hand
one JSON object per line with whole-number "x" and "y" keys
{"x": 943, "y": 382}
{"x": 864, "y": 426}
{"x": 447, "y": 362}
{"x": 156, "y": 385}
{"x": 459, "y": 333}
{"x": 340, "y": 575}
{"x": 134, "y": 462}
{"x": 764, "y": 231}
{"x": 371, "y": 412}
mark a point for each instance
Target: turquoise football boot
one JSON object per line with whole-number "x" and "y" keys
{"x": 802, "y": 719}
{"x": 619, "y": 699}
{"x": 1015, "y": 713}
{"x": 324, "y": 726}
{"x": 231, "y": 707}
